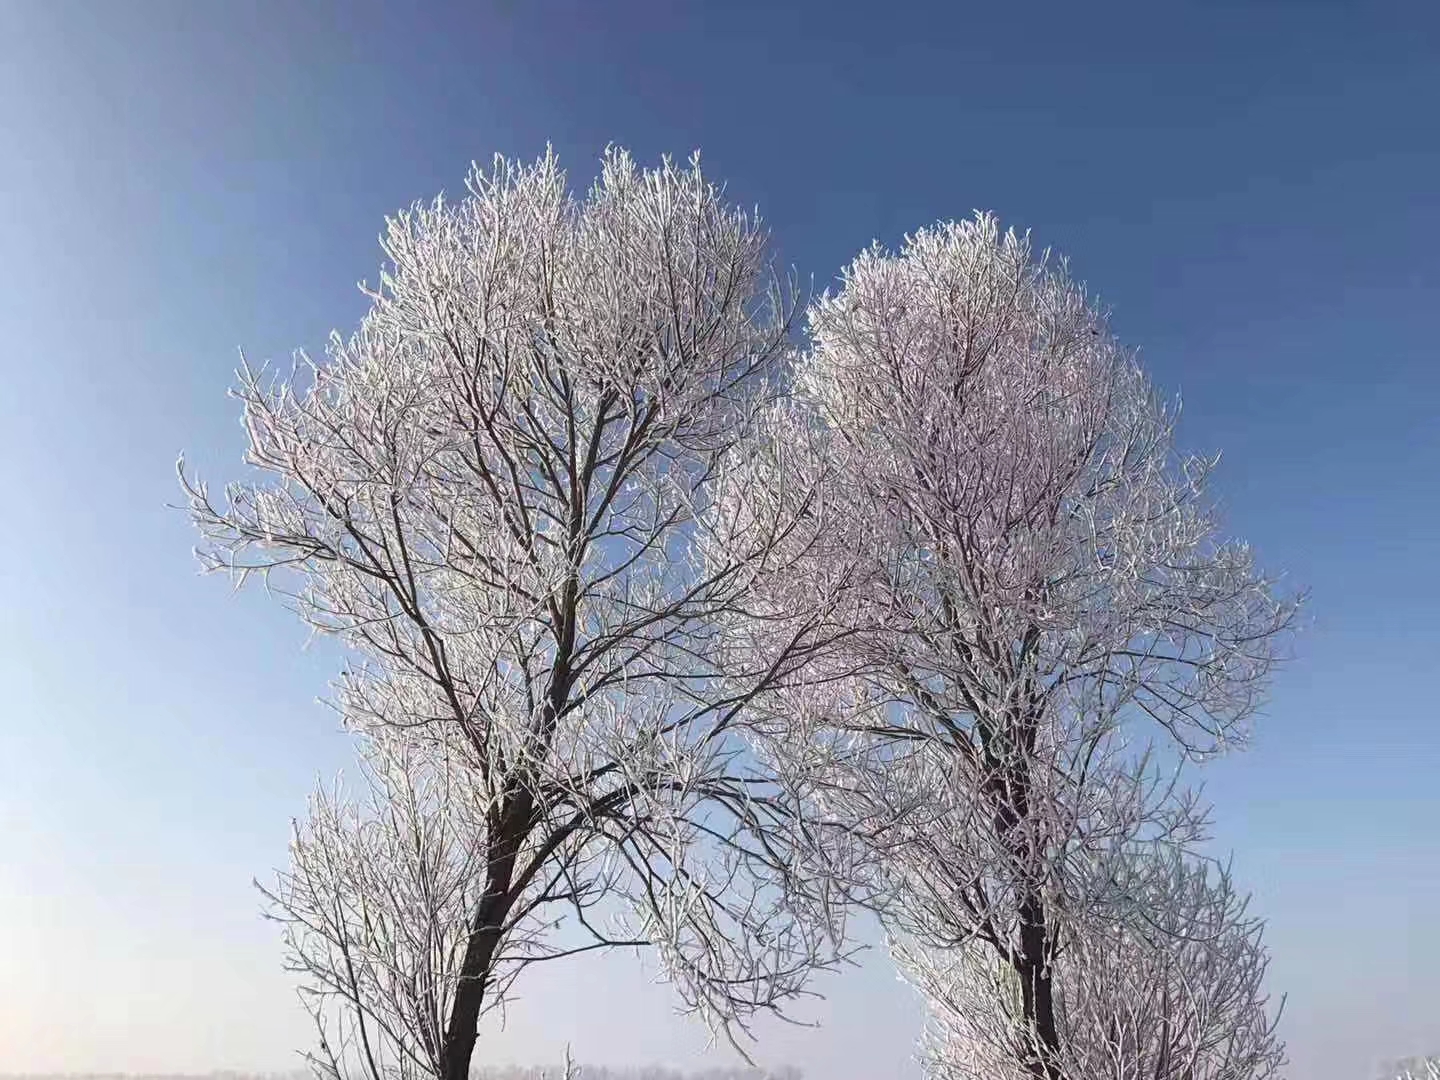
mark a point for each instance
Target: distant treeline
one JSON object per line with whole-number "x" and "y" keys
{"x": 485, "y": 1072}
{"x": 648, "y": 1072}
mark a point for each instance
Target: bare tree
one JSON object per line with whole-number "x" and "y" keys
{"x": 1029, "y": 573}
{"x": 490, "y": 493}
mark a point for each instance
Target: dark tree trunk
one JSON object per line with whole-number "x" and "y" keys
{"x": 1009, "y": 785}
{"x": 509, "y": 828}
{"x": 461, "y": 1029}
{"x": 1037, "y": 988}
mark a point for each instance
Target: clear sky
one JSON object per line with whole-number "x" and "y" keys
{"x": 1254, "y": 187}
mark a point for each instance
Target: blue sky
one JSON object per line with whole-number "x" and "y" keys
{"x": 1253, "y": 187}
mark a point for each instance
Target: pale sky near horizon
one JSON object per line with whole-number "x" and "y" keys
{"x": 1253, "y": 187}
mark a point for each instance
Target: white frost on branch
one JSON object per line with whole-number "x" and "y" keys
{"x": 1166, "y": 987}
{"x": 1027, "y": 586}
{"x": 490, "y": 493}
{"x": 1419, "y": 1068}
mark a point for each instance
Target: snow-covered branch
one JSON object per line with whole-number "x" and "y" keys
{"x": 490, "y": 493}
{"x": 1032, "y": 588}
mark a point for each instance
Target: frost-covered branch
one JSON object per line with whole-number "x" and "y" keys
{"x": 1032, "y": 587}
{"x": 1423, "y": 1068}
{"x": 1162, "y": 979}
{"x": 490, "y": 493}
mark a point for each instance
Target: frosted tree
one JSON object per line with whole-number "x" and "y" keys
{"x": 490, "y": 493}
{"x": 1032, "y": 588}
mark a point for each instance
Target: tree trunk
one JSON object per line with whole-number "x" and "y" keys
{"x": 461, "y": 1029}
{"x": 510, "y": 828}
{"x": 1009, "y": 785}
{"x": 1037, "y": 989}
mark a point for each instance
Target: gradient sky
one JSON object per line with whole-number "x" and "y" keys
{"x": 1253, "y": 187}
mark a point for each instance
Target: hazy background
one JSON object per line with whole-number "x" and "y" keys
{"x": 1254, "y": 187}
